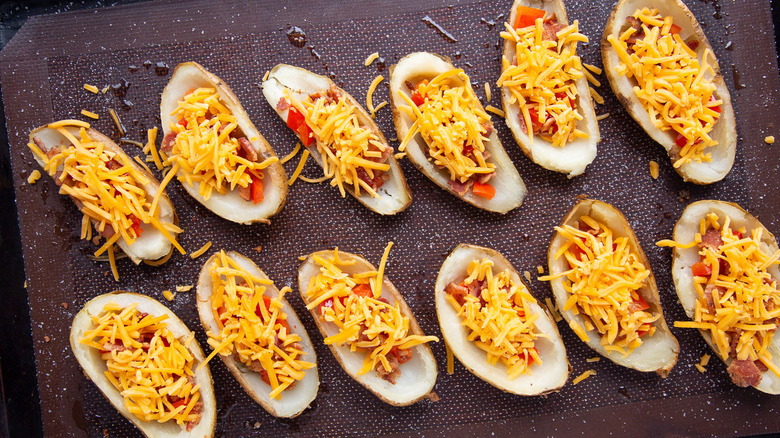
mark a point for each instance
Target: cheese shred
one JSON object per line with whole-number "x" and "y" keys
{"x": 201, "y": 251}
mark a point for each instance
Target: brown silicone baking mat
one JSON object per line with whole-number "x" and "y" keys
{"x": 46, "y": 65}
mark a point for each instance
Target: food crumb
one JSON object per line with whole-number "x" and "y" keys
{"x": 653, "y": 169}
{"x": 540, "y": 269}
{"x": 257, "y": 425}
{"x": 35, "y": 175}
{"x": 683, "y": 195}
{"x": 105, "y": 433}
{"x": 46, "y": 339}
{"x": 432, "y": 396}
{"x": 168, "y": 295}
{"x": 25, "y": 284}
{"x": 527, "y": 275}
{"x": 770, "y": 139}
{"x": 583, "y": 376}
{"x": 64, "y": 305}
{"x": 701, "y": 368}
{"x": 258, "y": 248}
{"x": 488, "y": 94}
{"x": 183, "y": 288}
{"x": 593, "y": 359}
{"x": 96, "y": 240}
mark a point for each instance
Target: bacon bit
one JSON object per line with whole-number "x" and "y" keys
{"x": 46, "y": 339}
{"x": 258, "y": 248}
{"x": 432, "y": 396}
{"x": 64, "y": 305}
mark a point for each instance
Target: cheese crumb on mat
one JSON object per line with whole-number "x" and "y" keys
{"x": 770, "y": 139}
{"x": 91, "y": 88}
{"x": 450, "y": 360}
{"x": 488, "y": 94}
{"x": 35, "y": 175}
{"x": 653, "y": 169}
{"x": 370, "y": 94}
{"x": 186, "y": 288}
{"x": 593, "y": 359}
{"x": 292, "y": 154}
{"x": 299, "y": 169}
{"x": 200, "y": 251}
{"x": 371, "y": 58}
{"x": 602, "y": 116}
{"x": 497, "y": 111}
{"x": 583, "y": 376}
{"x": 168, "y": 295}
{"x": 89, "y": 114}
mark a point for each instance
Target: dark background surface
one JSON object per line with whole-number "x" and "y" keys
{"x": 21, "y": 412}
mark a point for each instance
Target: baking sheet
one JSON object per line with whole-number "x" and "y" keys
{"x": 43, "y": 73}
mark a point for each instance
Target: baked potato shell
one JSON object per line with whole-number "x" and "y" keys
{"x": 292, "y": 400}
{"x": 287, "y": 80}
{"x": 510, "y": 189}
{"x": 152, "y": 244}
{"x": 658, "y": 353}
{"x": 418, "y": 375}
{"x": 546, "y": 378}
{"x": 683, "y": 259}
{"x": 230, "y": 206}
{"x": 724, "y": 131}
{"x": 575, "y": 156}
{"x": 94, "y": 366}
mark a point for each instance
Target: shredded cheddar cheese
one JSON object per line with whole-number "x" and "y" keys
{"x": 542, "y": 80}
{"x": 452, "y": 123}
{"x": 253, "y": 326}
{"x": 653, "y": 165}
{"x": 769, "y": 139}
{"x": 91, "y": 88}
{"x": 583, "y": 376}
{"x": 147, "y": 364}
{"x": 366, "y": 321}
{"x": 205, "y": 151}
{"x": 89, "y": 114}
{"x": 738, "y": 303}
{"x": 201, "y": 251}
{"x": 35, "y": 175}
{"x": 499, "y": 318}
{"x": 371, "y": 58}
{"x": 370, "y": 94}
{"x": 348, "y": 145}
{"x": 107, "y": 187}
{"x": 603, "y": 285}
{"x": 674, "y": 86}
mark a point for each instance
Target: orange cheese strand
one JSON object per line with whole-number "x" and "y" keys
{"x": 253, "y": 327}
{"x": 603, "y": 285}
{"x": 542, "y": 78}
{"x": 746, "y": 302}
{"x": 450, "y": 121}
{"x": 500, "y": 320}
{"x": 673, "y": 85}
{"x": 147, "y": 364}
{"x": 105, "y": 185}
{"x": 204, "y": 149}
{"x": 383, "y": 325}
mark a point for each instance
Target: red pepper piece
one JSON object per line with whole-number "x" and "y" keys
{"x": 257, "y": 190}
{"x": 527, "y": 16}
{"x": 701, "y": 269}
{"x": 486, "y": 190}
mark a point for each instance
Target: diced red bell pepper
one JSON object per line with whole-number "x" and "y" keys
{"x": 264, "y": 377}
{"x": 417, "y": 98}
{"x": 527, "y": 16}
{"x": 136, "y": 226}
{"x": 681, "y": 140}
{"x": 178, "y": 403}
{"x": 535, "y": 119}
{"x": 486, "y": 190}
{"x": 468, "y": 149}
{"x": 714, "y": 108}
{"x": 640, "y": 304}
{"x": 701, "y": 269}
{"x": 363, "y": 290}
{"x": 675, "y": 29}
{"x": 641, "y": 333}
{"x": 297, "y": 123}
{"x": 257, "y": 190}
{"x": 183, "y": 122}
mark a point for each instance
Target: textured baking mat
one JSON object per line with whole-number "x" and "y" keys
{"x": 62, "y": 278}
